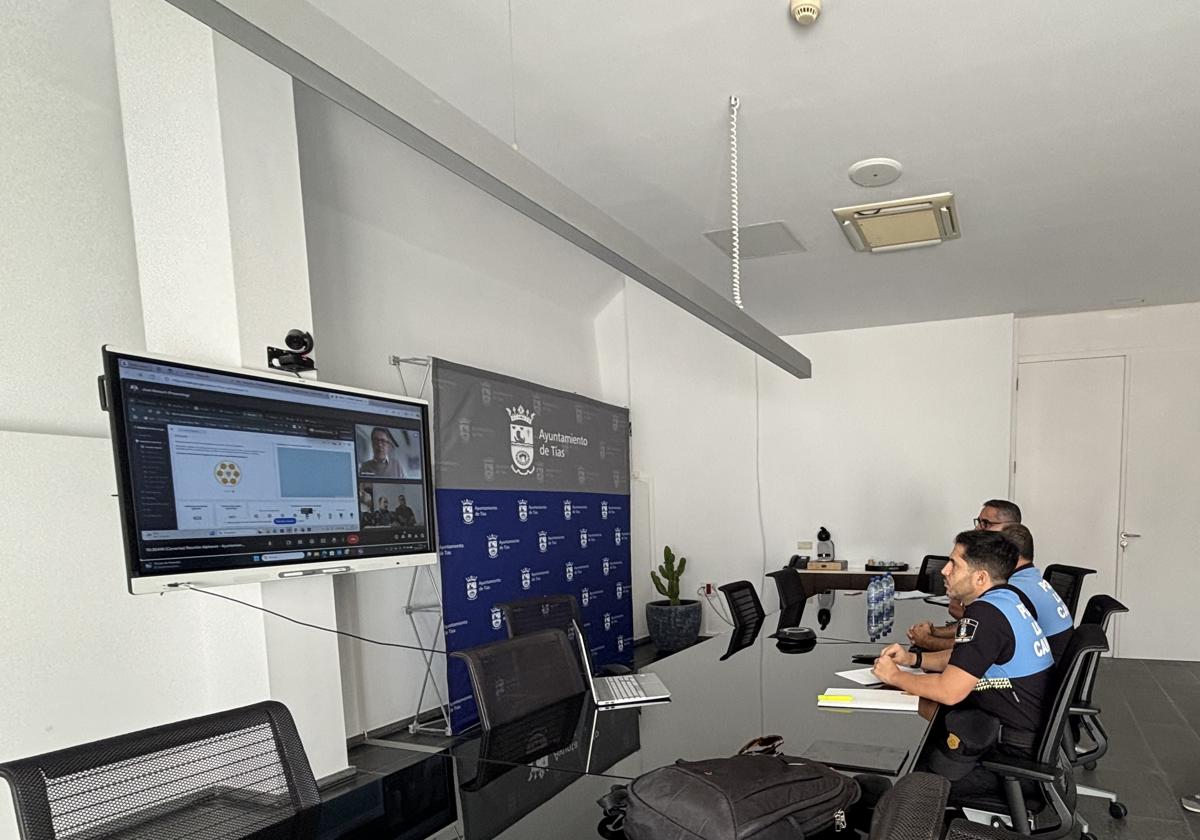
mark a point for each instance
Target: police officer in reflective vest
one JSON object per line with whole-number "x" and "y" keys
{"x": 1051, "y": 613}
{"x": 997, "y": 676}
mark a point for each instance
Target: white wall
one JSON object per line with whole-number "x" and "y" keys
{"x": 893, "y": 443}
{"x": 1147, "y": 327}
{"x": 68, "y": 277}
{"x": 407, "y": 259}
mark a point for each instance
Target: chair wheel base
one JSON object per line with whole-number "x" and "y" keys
{"x": 1089, "y": 766}
{"x": 1117, "y": 810}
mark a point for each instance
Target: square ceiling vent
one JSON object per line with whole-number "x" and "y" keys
{"x": 770, "y": 239}
{"x": 897, "y": 225}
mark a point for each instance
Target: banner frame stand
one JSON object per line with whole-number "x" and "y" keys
{"x": 428, "y": 680}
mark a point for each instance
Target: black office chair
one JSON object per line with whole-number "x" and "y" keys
{"x": 1085, "y": 716}
{"x": 1049, "y": 773}
{"x": 513, "y": 678}
{"x": 541, "y": 613}
{"x": 930, "y": 579}
{"x": 914, "y": 809}
{"x": 746, "y": 612}
{"x": 548, "y": 612}
{"x": 524, "y": 740}
{"x": 792, "y": 597}
{"x": 236, "y": 774}
{"x": 1067, "y": 582}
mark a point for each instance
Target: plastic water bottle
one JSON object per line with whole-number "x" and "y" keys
{"x": 873, "y": 604}
{"x": 889, "y": 610}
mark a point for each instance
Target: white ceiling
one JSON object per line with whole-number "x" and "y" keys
{"x": 1069, "y": 133}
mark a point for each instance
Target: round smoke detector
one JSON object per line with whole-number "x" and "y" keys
{"x": 805, "y": 12}
{"x": 875, "y": 172}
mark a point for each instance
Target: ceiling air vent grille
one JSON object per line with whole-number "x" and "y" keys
{"x": 901, "y": 224}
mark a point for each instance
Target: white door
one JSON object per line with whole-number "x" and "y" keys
{"x": 1161, "y": 566}
{"x": 1067, "y": 476}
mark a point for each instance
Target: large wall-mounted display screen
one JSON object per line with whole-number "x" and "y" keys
{"x": 229, "y": 476}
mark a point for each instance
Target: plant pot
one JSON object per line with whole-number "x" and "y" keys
{"x": 673, "y": 628}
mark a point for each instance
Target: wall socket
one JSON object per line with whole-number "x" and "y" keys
{"x": 804, "y": 545}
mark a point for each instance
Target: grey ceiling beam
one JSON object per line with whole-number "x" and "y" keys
{"x": 320, "y": 53}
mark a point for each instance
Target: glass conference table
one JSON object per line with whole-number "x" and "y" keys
{"x": 541, "y": 776}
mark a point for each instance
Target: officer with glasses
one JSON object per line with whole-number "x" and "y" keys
{"x": 994, "y": 515}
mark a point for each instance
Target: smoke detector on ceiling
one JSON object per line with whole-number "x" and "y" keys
{"x": 901, "y": 224}
{"x": 875, "y": 172}
{"x": 805, "y": 12}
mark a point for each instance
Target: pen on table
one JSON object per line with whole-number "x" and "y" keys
{"x": 846, "y": 698}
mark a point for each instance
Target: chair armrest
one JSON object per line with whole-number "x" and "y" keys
{"x": 1090, "y": 711}
{"x": 1021, "y": 768}
{"x": 967, "y": 830}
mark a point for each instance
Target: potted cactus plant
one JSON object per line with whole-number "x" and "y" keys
{"x": 673, "y": 623}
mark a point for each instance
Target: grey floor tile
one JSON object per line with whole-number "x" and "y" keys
{"x": 1138, "y": 828}
{"x": 1144, "y": 794}
{"x": 1150, "y": 704}
{"x": 1170, "y": 673}
{"x": 1177, "y": 752}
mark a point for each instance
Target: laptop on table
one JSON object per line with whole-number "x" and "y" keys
{"x": 620, "y": 692}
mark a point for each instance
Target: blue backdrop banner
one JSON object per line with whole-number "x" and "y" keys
{"x": 532, "y": 499}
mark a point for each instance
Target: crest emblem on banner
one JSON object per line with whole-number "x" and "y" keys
{"x": 543, "y": 542}
{"x": 616, "y": 478}
{"x": 570, "y": 570}
{"x": 583, "y": 537}
{"x": 604, "y": 566}
{"x": 582, "y": 473}
{"x": 493, "y": 544}
{"x": 526, "y": 578}
{"x": 620, "y": 644}
{"x": 617, "y": 536}
{"x": 604, "y": 510}
{"x": 485, "y": 393}
{"x": 584, "y": 597}
{"x": 464, "y": 429}
{"x": 489, "y": 469}
{"x": 567, "y": 509}
{"x": 541, "y": 474}
{"x": 522, "y": 509}
{"x": 497, "y": 618}
{"x": 520, "y": 438}
{"x": 607, "y": 622}
{"x": 602, "y": 450}
{"x": 620, "y": 590}
{"x": 616, "y": 421}
{"x": 468, "y": 510}
{"x": 537, "y": 404}
{"x": 472, "y": 588}
{"x": 578, "y": 414}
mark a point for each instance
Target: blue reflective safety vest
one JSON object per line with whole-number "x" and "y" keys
{"x": 1052, "y": 613}
{"x": 1031, "y": 654}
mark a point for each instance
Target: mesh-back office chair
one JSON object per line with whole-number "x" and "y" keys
{"x": 747, "y": 614}
{"x": 1049, "y": 773}
{"x": 513, "y": 678}
{"x": 930, "y": 579}
{"x": 792, "y": 597}
{"x": 1067, "y": 582}
{"x": 548, "y": 612}
{"x": 524, "y": 740}
{"x": 1085, "y": 716}
{"x": 914, "y": 809}
{"x": 236, "y": 774}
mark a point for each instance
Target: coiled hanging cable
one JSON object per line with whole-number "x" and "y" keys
{"x": 735, "y": 262}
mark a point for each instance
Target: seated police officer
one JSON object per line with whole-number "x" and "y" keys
{"x": 994, "y": 515}
{"x": 1049, "y": 610}
{"x": 997, "y": 675}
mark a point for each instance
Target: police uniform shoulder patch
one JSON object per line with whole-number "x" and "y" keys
{"x": 966, "y": 630}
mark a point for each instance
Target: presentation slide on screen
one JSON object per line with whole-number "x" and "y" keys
{"x": 259, "y": 483}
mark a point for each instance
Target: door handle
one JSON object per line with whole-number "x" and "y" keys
{"x": 1125, "y": 535}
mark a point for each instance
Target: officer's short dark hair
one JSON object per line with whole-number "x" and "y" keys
{"x": 990, "y": 551}
{"x": 1021, "y": 537}
{"x": 1007, "y": 509}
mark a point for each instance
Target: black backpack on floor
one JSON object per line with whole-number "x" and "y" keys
{"x": 746, "y": 797}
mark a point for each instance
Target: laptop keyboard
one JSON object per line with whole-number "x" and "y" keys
{"x": 624, "y": 688}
